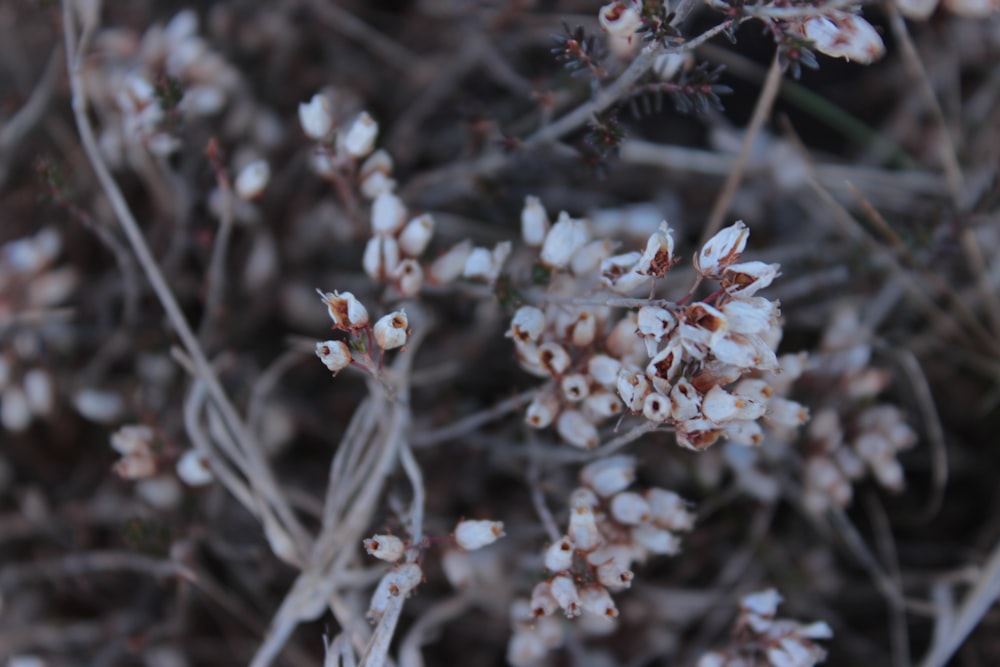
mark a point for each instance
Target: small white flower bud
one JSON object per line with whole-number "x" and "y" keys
{"x": 486, "y": 264}
{"x": 583, "y": 529}
{"x": 743, "y": 351}
{"x": 664, "y": 367}
{"x": 653, "y": 324}
{"x": 747, "y": 278}
{"x": 656, "y": 408}
{"x": 334, "y": 354}
{"x": 668, "y": 510}
{"x": 471, "y": 535}
{"x": 554, "y": 358}
{"x": 658, "y": 256}
{"x": 527, "y": 324}
{"x": 741, "y": 432}
{"x": 618, "y": 273}
{"x": 252, "y": 179}
{"x": 398, "y": 582}
{"x": 763, "y": 603}
{"x": 390, "y": 330}
{"x": 656, "y": 540}
{"x": 542, "y": 602}
{"x": 575, "y": 387}
{"x": 132, "y": 439}
{"x": 449, "y": 266}
{"x": 583, "y": 497}
{"x": 575, "y": 429}
{"x": 583, "y": 330}
{"x": 610, "y": 475}
{"x": 633, "y": 387}
{"x": 563, "y": 240}
{"x": 15, "y": 411}
{"x": 541, "y": 411}
{"x": 345, "y": 310}
{"x": 630, "y": 508}
{"x": 588, "y": 259}
{"x": 99, "y": 405}
{"x": 600, "y": 405}
{"x": 559, "y": 555}
{"x": 315, "y": 117}
{"x": 416, "y": 235}
{"x": 359, "y": 140}
{"x": 722, "y": 250}
{"x": 596, "y": 600}
{"x": 623, "y": 342}
{"x": 750, "y": 315}
{"x": 614, "y": 575}
{"x": 194, "y": 469}
{"x": 565, "y": 593}
{"x": 685, "y": 401}
{"x": 785, "y": 413}
{"x": 604, "y": 370}
{"x": 388, "y": 214}
{"x": 842, "y": 35}
{"x": 385, "y": 547}
{"x": 720, "y": 406}
{"x": 375, "y": 175}
{"x": 408, "y": 278}
{"x": 534, "y": 222}
{"x": 697, "y": 434}
{"x": 38, "y": 391}
{"x": 381, "y": 257}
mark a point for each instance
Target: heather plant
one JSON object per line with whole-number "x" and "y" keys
{"x": 429, "y": 334}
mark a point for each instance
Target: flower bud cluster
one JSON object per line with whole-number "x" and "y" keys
{"x": 697, "y": 367}
{"x": 853, "y": 435}
{"x": 610, "y": 528}
{"x": 135, "y": 445}
{"x": 350, "y": 316}
{"x": 763, "y": 639}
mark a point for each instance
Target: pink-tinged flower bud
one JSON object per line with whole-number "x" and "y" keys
{"x": 381, "y": 257}
{"x": 486, "y": 264}
{"x": 388, "y": 214}
{"x": 664, "y": 367}
{"x": 697, "y": 434}
{"x": 604, "y": 370}
{"x": 588, "y": 259}
{"x": 601, "y": 405}
{"x": 668, "y": 510}
{"x": 575, "y": 387}
{"x": 656, "y": 408}
{"x": 685, "y": 401}
{"x": 610, "y": 475}
{"x": 527, "y": 324}
{"x": 559, "y": 555}
{"x": 554, "y": 358}
{"x": 843, "y": 35}
{"x": 654, "y": 324}
{"x": 583, "y": 529}
{"x": 541, "y": 411}
{"x": 385, "y": 547}
{"x": 720, "y": 406}
{"x": 782, "y": 412}
{"x": 391, "y": 330}
{"x": 534, "y": 222}
{"x": 742, "y": 432}
{"x": 596, "y": 600}
{"x": 747, "y": 278}
{"x": 252, "y": 179}
{"x": 449, "y": 266}
{"x": 345, "y": 310}
{"x": 575, "y": 429}
{"x": 315, "y": 117}
{"x": 563, "y": 240}
{"x": 722, "y": 250}
{"x": 656, "y": 540}
{"x": 194, "y": 469}
{"x": 621, "y": 18}
{"x": 471, "y": 535}
{"x": 408, "y": 277}
{"x": 416, "y": 235}
{"x": 658, "y": 256}
{"x": 334, "y": 354}
{"x": 564, "y": 591}
{"x": 359, "y": 140}
{"x": 542, "y": 602}
{"x": 633, "y": 387}
{"x": 630, "y": 508}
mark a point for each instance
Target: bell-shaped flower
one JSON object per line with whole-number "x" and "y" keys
{"x": 722, "y": 250}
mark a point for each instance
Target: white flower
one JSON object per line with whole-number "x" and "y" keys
{"x": 576, "y": 429}
{"x": 385, "y": 547}
{"x": 621, "y": 18}
{"x": 722, "y": 250}
{"x": 408, "y": 277}
{"x": 334, "y": 354}
{"x": 668, "y": 510}
{"x": 746, "y": 278}
{"x": 252, "y": 179}
{"x": 534, "y": 222}
{"x": 38, "y": 391}
{"x": 471, "y": 534}
{"x": 656, "y": 408}
{"x": 554, "y": 358}
{"x": 541, "y": 411}
{"x": 685, "y": 401}
{"x": 449, "y": 266}
{"x": 844, "y": 35}
{"x": 416, "y": 235}
{"x": 542, "y": 602}
{"x": 486, "y": 264}
{"x": 601, "y": 404}
{"x": 15, "y": 411}
{"x": 583, "y": 529}
{"x": 345, "y": 310}
{"x": 359, "y": 140}
{"x": 604, "y": 370}
{"x": 762, "y": 603}
{"x": 381, "y": 257}
{"x": 609, "y": 475}
{"x": 194, "y": 469}
{"x": 630, "y": 508}
{"x": 563, "y": 240}
{"x": 398, "y": 582}
{"x": 565, "y": 593}
{"x": 559, "y": 555}
{"x": 575, "y": 387}
{"x": 390, "y": 330}
{"x": 654, "y": 324}
{"x": 656, "y": 540}
{"x": 388, "y": 214}
{"x": 315, "y": 117}
{"x": 633, "y": 387}
{"x": 658, "y": 256}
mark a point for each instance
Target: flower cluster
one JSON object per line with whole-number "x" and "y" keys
{"x": 761, "y": 639}
{"x": 852, "y": 435}
{"x": 610, "y": 528}
{"x": 350, "y": 316}
{"x": 694, "y": 366}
